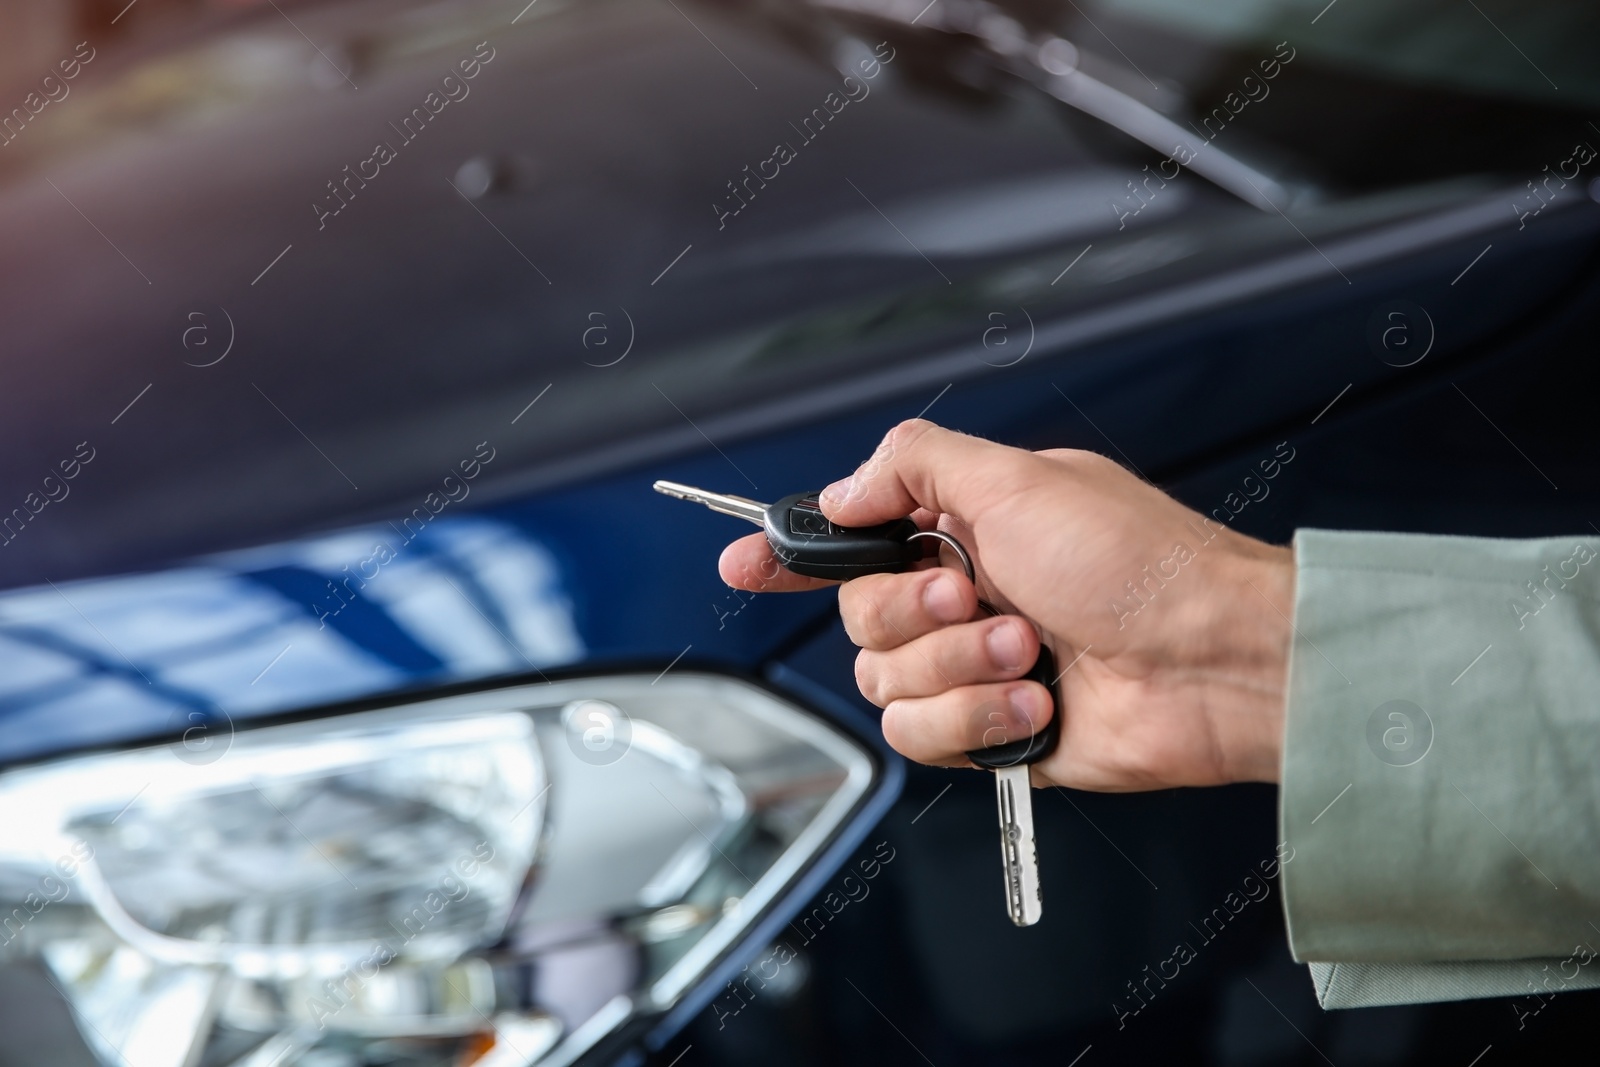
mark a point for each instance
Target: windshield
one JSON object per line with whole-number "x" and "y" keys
{"x": 1380, "y": 96}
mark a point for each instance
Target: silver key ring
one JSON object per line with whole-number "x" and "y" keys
{"x": 966, "y": 561}
{"x": 955, "y": 546}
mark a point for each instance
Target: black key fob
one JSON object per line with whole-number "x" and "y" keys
{"x": 805, "y": 542}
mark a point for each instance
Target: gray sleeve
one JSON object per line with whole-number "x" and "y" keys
{"x": 1441, "y": 768}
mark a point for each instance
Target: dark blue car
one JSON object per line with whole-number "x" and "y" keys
{"x": 359, "y": 702}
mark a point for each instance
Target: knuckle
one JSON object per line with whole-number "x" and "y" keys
{"x": 898, "y": 729}
{"x": 848, "y": 612}
{"x": 908, "y": 430}
{"x": 868, "y": 606}
{"x": 869, "y": 678}
{"x": 903, "y": 438}
{"x": 1083, "y": 462}
{"x": 876, "y": 629}
{"x": 856, "y": 615}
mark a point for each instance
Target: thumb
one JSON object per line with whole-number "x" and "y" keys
{"x": 921, "y": 465}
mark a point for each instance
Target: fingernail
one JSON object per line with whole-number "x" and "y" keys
{"x": 1025, "y": 708}
{"x": 943, "y": 599}
{"x": 1005, "y": 646}
{"x": 838, "y": 492}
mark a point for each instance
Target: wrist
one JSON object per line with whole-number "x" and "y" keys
{"x": 1249, "y": 638}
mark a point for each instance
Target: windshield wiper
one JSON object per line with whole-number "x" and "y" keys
{"x": 1051, "y": 64}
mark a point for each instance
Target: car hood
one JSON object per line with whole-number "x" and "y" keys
{"x": 256, "y": 343}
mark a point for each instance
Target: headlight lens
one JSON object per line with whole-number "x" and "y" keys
{"x": 497, "y": 878}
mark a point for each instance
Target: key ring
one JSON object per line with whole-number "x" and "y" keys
{"x": 955, "y": 546}
{"x": 966, "y": 561}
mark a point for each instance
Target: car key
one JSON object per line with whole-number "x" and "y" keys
{"x": 806, "y": 542}
{"x": 1019, "y": 856}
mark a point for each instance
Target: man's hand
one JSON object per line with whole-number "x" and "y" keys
{"x": 1172, "y": 631}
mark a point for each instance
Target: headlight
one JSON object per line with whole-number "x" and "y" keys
{"x": 506, "y": 877}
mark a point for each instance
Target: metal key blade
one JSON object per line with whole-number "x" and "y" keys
{"x": 737, "y": 506}
{"x": 1015, "y": 795}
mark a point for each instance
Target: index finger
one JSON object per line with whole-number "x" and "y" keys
{"x": 749, "y": 563}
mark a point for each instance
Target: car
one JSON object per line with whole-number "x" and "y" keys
{"x": 361, "y": 704}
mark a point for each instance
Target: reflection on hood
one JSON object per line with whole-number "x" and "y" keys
{"x": 268, "y": 629}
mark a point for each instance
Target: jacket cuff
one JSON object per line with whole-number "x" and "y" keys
{"x": 1441, "y": 764}
{"x": 1377, "y": 985}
